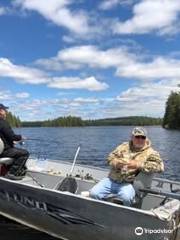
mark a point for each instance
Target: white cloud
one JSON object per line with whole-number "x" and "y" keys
{"x": 145, "y": 99}
{"x": 68, "y": 39}
{"x": 126, "y": 64}
{"x": 163, "y": 75}
{"x": 91, "y": 56}
{"x": 22, "y": 95}
{"x": 151, "y": 108}
{"x": 148, "y": 98}
{"x": 54, "y": 107}
{"x": 2, "y": 11}
{"x": 90, "y": 83}
{"x": 108, "y": 4}
{"x": 79, "y": 56}
{"x": 81, "y": 100}
{"x": 4, "y": 95}
{"x": 9, "y": 97}
{"x": 57, "y": 11}
{"x": 158, "y": 90}
{"x": 22, "y": 74}
{"x": 148, "y": 16}
{"x": 27, "y": 75}
{"x": 159, "y": 68}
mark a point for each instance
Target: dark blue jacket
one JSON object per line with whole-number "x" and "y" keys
{"x": 7, "y": 134}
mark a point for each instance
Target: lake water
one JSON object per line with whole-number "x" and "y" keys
{"x": 97, "y": 142}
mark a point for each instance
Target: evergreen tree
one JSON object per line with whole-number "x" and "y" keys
{"x": 172, "y": 112}
{"x": 13, "y": 120}
{"x": 71, "y": 121}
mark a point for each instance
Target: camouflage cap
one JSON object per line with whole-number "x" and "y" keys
{"x": 139, "y": 131}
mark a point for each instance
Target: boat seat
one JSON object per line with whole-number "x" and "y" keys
{"x": 6, "y": 161}
{"x": 142, "y": 181}
{"x": 68, "y": 184}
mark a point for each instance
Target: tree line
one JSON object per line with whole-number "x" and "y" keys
{"x": 72, "y": 121}
{"x": 13, "y": 120}
{"x": 68, "y": 121}
{"x": 125, "y": 121}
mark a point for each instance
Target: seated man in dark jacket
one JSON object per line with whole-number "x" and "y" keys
{"x": 20, "y": 156}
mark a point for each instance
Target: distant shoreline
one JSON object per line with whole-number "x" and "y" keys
{"x": 71, "y": 121}
{"x": 92, "y": 126}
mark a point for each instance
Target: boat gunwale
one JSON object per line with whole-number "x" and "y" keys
{"x": 70, "y": 164}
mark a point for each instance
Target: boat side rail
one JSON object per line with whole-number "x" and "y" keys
{"x": 161, "y": 193}
{"x": 143, "y": 186}
{"x": 114, "y": 198}
{"x": 165, "y": 180}
{"x": 172, "y": 184}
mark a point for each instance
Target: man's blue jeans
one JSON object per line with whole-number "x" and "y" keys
{"x": 125, "y": 191}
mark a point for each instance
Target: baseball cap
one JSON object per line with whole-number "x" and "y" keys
{"x": 3, "y": 107}
{"x": 139, "y": 131}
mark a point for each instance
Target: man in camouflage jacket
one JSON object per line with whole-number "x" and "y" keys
{"x": 126, "y": 161}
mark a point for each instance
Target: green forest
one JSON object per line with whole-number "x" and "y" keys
{"x": 13, "y": 120}
{"x": 172, "y": 112}
{"x": 68, "y": 121}
{"x": 125, "y": 121}
{"x": 71, "y": 121}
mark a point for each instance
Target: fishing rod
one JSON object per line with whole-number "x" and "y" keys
{"x": 22, "y": 142}
{"x": 39, "y": 140}
{"x": 74, "y": 161}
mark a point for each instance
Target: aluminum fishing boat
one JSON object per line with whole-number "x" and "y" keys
{"x": 42, "y": 200}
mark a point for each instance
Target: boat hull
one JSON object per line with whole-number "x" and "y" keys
{"x": 68, "y": 216}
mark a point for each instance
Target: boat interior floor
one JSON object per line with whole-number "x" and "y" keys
{"x": 44, "y": 180}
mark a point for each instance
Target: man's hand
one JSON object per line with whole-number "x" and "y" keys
{"x": 120, "y": 165}
{"x": 21, "y": 142}
{"x": 132, "y": 164}
{"x": 23, "y": 138}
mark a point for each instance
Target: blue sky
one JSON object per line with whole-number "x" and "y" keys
{"x": 93, "y": 59}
